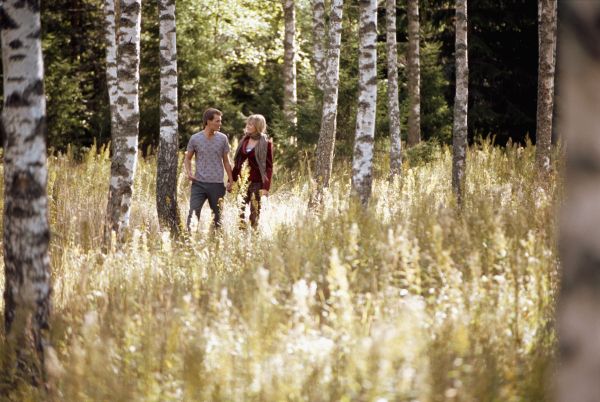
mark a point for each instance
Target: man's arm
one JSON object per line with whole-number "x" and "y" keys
{"x": 187, "y": 165}
{"x": 227, "y": 166}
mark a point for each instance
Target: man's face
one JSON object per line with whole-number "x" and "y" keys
{"x": 215, "y": 123}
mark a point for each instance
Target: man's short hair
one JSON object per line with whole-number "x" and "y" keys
{"x": 210, "y": 114}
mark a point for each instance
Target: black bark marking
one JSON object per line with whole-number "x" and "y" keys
{"x": 34, "y": 5}
{"x": 17, "y": 57}
{"x": 35, "y": 34}
{"x": 6, "y": 22}
{"x": 16, "y": 100}
{"x": 24, "y": 186}
{"x": 15, "y": 44}
{"x": 38, "y": 132}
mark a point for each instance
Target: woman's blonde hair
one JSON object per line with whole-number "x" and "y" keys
{"x": 258, "y": 121}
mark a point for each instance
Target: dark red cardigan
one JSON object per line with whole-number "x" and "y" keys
{"x": 254, "y": 176}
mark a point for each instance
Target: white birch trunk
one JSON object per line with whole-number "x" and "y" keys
{"x": 578, "y": 319}
{"x": 289, "y": 62}
{"x": 461, "y": 102}
{"x": 111, "y": 60}
{"x": 362, "y": 164}
{"x": 392, "y": 90}
{"x": 545, "y": 96}
{"x": 166, "y": 177}
{"x": 326, "y": 143}
{"x": 125, "y": 141}
{"x": 26, "y": 234}
{"x": 414, "y": 74}
{"x": 318, "y": 20}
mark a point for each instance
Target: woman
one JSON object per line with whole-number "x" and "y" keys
{"x": 257, "y": 149}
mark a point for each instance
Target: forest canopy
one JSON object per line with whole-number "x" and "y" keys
{"x": 230, "y": 55}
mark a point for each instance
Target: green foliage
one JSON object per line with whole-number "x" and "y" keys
{"x": 73, "y": 50}
{"x": 407, "y": 300}
{"x": 422, "y": 153}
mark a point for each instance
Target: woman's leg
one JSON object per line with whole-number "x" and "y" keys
{"x": 255, "y": 204}
{"x": 245, "y": 201}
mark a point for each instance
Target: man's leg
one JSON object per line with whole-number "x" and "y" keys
{"x": 216, "y": 192}
{"x": 255, "y": 204}
{"x": 197, "y": 199}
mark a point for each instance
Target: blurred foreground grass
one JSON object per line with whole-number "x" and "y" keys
{"x": 408, "y": 301}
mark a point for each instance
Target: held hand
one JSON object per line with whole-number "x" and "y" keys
{"x": 191, "y": 177}
{"x": 264, "y": 193}
{"x": 229, "y": 186}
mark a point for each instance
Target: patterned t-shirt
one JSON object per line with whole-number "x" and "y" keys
{"x": 209, "y": 156}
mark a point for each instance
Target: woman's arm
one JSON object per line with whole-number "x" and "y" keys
{"x": 269, "y": 173}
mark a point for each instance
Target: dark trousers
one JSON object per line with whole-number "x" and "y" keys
{"x": 253, "y": 198}
{"x": 214, "y": 193}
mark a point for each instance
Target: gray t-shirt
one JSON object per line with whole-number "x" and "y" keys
{"x": 209, "y": 156}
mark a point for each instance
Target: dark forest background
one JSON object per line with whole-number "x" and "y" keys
{"x": 231, "y": 57}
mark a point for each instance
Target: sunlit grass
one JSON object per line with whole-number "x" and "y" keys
{"x": 407, "y": 301}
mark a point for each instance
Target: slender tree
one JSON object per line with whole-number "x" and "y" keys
{"x": 125, "y": 140}
{"x": 289, "y": 62}
{"x": 392, "y": 90}
{"x": 545, "y": 95}
{"x": 326, "y": 143}
{"x": 362, "y": 164}
{"x": 461, "y": 102}
{"x": 579, "y": 301}
{"x": 318, "y": 20}
{"x": 110, "y": 35}
{"x": 166, "y": 176}
{"x": 414, "y": 74}
{"x": 26, "y": 232}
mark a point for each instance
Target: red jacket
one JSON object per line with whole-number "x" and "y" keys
{"x": 255, "y": 176}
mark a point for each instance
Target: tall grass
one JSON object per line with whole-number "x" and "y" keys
{"x": 409, "y": 300}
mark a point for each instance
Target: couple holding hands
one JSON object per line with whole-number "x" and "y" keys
{"x": 210, "y": 148}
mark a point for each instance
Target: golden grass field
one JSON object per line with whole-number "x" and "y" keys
{"x": 406, "y": 301}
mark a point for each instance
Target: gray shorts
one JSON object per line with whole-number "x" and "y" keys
{"x": 213, "y": 192}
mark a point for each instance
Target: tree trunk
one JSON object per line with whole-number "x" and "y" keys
{"x": 125, "y": 140}
{"x": 111, "y": 61}
{"x": 579, "y": 302}
{"x": 461, "y": 103}
{"x": 166, "y": 176}
{"x": 318, "y": 18}
{"x": 392, "y": 91}
{"x": 362, "y": 164}
{"x": 326, "y": 143}
{"x": 545, "y": 97}
{"x": 27, "y": 286}
{"x": 289, "y": 62}
{"x": 414, "y": 74}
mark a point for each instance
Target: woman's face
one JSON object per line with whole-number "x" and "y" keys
{"x": 250, "y": 129}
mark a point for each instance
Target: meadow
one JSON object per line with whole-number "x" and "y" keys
{"x": 409, "y": 300}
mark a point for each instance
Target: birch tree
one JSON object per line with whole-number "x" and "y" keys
{"x": 166, "y": 175}
{"x": 545, "y": 95}
{"x": 318, "y": 25}
{"x": 392, "y": 90}
{"x": 289, "y": 62}
{"x": 362, "y": 164}
{"x": 578, "y": 320}
{"x": 26, "y": 232}
{"x": 110, "y": 38}
{"x": 461, "y": 102}
{"x": 414, "y": 74}
{"x": 326, "y": 143}
{"x": 125, "y": 140}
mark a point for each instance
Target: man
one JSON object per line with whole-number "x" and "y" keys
{"x": 211, "y": 150}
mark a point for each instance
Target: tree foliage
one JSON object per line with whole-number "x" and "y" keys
{"x": 231, "y": 57}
